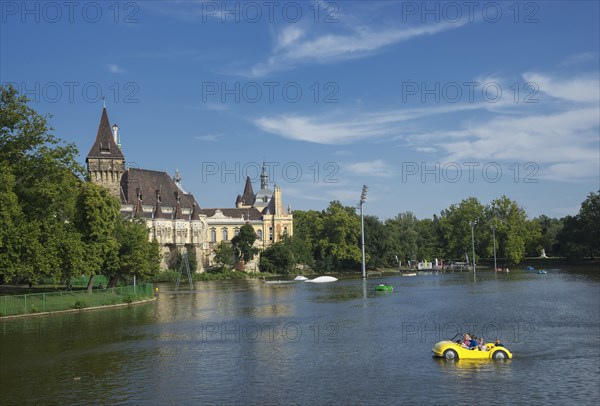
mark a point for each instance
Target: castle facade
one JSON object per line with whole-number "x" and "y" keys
{"x": 173, "y": 216}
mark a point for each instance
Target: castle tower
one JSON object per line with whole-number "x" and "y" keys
{"x": 263, "y": 196}
{"x": 105, "y": 161}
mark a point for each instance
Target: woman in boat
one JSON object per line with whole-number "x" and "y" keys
{"x": 466, "y": 342}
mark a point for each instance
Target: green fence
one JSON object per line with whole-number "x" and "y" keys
{"x": 12, "y": 305}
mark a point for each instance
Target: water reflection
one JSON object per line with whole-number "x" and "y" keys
{"x": 240, "y": 342}
{"x": 463, "y": 368}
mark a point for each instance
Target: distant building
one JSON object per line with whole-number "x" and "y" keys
{"x": 173, "y": 216}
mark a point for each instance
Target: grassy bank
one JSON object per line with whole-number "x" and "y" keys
{"x": 12, "y": 305}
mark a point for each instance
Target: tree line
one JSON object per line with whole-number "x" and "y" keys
{"x": 329, "y": 240}
{"x": 55, "y": 224}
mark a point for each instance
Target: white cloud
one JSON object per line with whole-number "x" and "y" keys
{"x": 563, "y": 145}
{"x": 370, "y": 168}
{"x": 208, "y": 137}
{"x": 290, "y": 51}
{"x": 318, "y": 130}
{"x": 352, "y": 127}
{"x": 580, "y": 58}
{"x": 579, "y": 89}
{"x": 560, "y": 136}
{"x": 114, "y": 68}
{"x": 288, "y": 36}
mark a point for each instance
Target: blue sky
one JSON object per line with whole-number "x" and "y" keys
{"x": 428, "y": 103}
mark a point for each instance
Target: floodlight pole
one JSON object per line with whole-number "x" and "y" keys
{"x": 473, "y": 243}
{"x": 363, "y": 199}
{"x": 494, "y": 238}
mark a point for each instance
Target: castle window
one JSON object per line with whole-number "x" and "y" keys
{"x": 259, "y": 235}
{"x": 285, "y": 230}
{"x": 213, "y": 235}
{"x": 236, "y": 231}
{"x": 225, "y": 234}
{"x": 270, "y": 233}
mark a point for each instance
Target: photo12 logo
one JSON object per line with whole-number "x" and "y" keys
{"x": 525, "y": 12}
{"x": 269, "y": 92}
{"x": 468, "y": 92}
{"x": 471, "y": 172}
{"x": 52, "y": 12}
{"x": 289, "y": 331}
{"x": 291, "y": 172}
{"x": 269, "y": 11}
{"x": 77, "y": 92}
{"x": 431, "y": 331}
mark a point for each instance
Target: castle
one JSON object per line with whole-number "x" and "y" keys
{"x": 174, "y": 217}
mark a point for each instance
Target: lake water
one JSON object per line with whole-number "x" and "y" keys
{"x": 251, "y": 343}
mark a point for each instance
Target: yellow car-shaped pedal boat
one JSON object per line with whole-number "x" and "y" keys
{"x": 451, "y": 349}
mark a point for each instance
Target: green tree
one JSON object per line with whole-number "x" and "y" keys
{"x": 428, "y": 246}
{"x": 570, "y": 240}
{"x": 338, "y": 246}
{"x": 549, "y": 230}
{"x": 512, "y": 230}
{"x": 277, "y": 258}
{"x": 14, "y": 233}
{"x": 42, "y": 174}
{"x": 455, "y": 227}
{"x": 580, "y": 235}
{"x": 136, "y": 255}
{"x": 224, "y": 255}
{"x": 378, "y": 249}
{"x": 285, "y": 255}
{"x": 243, "y": 243}
{"x": 96, "y": 218}
{"x": 589, "y": 214}
{"x": 404, "y": 236}
{"x": 308, "y": 227}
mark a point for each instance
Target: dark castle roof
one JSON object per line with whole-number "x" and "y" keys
{"x": 247, "y": 198}
{"x": 105, "y": 145}
{"x": 248, "y": 214}
{"x": 149, "y": 185}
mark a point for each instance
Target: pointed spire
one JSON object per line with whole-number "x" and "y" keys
{"x": 248, "y": 196}
{"x": 195, "y": 214}
{"x": 264, "y": 178}
{"x": 138, "y": 210}
{"x": 105, "y": 145}
{"x": 158, "y": 213}
{"x": 178, "y": 215}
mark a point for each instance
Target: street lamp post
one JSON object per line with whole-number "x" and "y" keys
{"x": 494, "y": 238}
{"x": 363, "y": 199}
{"x": 472, "y": 223}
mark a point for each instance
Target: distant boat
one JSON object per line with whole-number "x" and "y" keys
{"x": 425, "y": 266}
{"x": 300, "y": 278}
{"x": 530, "y": 268}
{"x": 384, "y": 288}
{"x": 322, "y": 279}
{"x": 503, "y": 270}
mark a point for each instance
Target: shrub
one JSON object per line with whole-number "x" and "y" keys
{"x": 80, "y": 304}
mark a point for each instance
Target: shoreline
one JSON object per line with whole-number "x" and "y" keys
{"x": 16, "y": 316}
